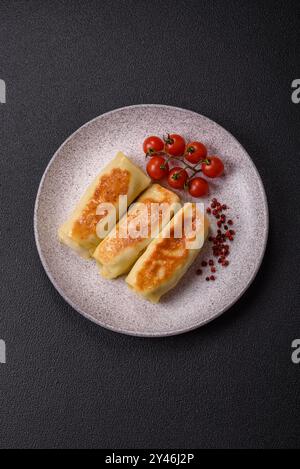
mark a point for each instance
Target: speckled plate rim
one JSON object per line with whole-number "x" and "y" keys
{"x": 162, "y": 333}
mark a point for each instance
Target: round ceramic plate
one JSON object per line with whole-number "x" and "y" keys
{"x": 111, "y": 304}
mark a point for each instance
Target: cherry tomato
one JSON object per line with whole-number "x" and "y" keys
{"x": 175, "y": 145}
{"x": 153, "y": 144}
{"x": 195, "y": 152}
{"x": 214, "y": 169}
{"x": 198, "y": 187}
{"x": 177, "y": 178}
{"x": 157, "y": 167}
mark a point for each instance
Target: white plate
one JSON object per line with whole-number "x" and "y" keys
{"x": 111, "y": 304}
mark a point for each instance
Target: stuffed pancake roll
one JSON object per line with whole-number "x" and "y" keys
{"x": 119, "y": 178}
{"x": 169, "y": 256}
{"x": 144, "y": 220}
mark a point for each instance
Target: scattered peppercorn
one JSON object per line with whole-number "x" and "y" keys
{"x": 220, "y": 246}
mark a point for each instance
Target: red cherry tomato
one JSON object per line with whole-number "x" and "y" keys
{"x": 177, "y": 178}
{"x": 175, "y": 145}
{"x": 214, "y": 168}
{"x": 157, "y": 167}
{"x": 195, "y": 151}
{"x": 153, "y": 144}
{"x": 198, "y": 187}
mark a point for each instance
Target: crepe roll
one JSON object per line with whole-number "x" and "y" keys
{"x": 83, "y": 231}
{"x": 168, "y": 257}
{"x": 144, "y": 220}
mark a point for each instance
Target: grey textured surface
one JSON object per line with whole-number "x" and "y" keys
{"x": 193, "y": 302}
{"x": 69, "y": 383}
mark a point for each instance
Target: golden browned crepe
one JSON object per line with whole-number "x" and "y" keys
{"x": 119, "y": 177}
{"x": 126, "y": 242}
{"x": 170, "y": 255}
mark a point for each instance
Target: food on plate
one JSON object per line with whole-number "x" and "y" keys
{"x": 193, "y": 156}
{"x": 119, "y": 177}
{"x": 156, "y": 237}
{"x": 153, "y": 144}
{"x": 198, "y": 187}
{"x": 195, "y": 152}
{"x": 174, "y": 145}
{"x": 169, "y": 256}
{"x": 177, "y": 178}
{"x": 157, "y": 168}
{"x": 221, "y": 239}
{"x": 213, "y": 167}
{"x": 121, "y": 248}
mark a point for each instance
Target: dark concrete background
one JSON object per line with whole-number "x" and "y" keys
{"x": 69, "y": 383}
